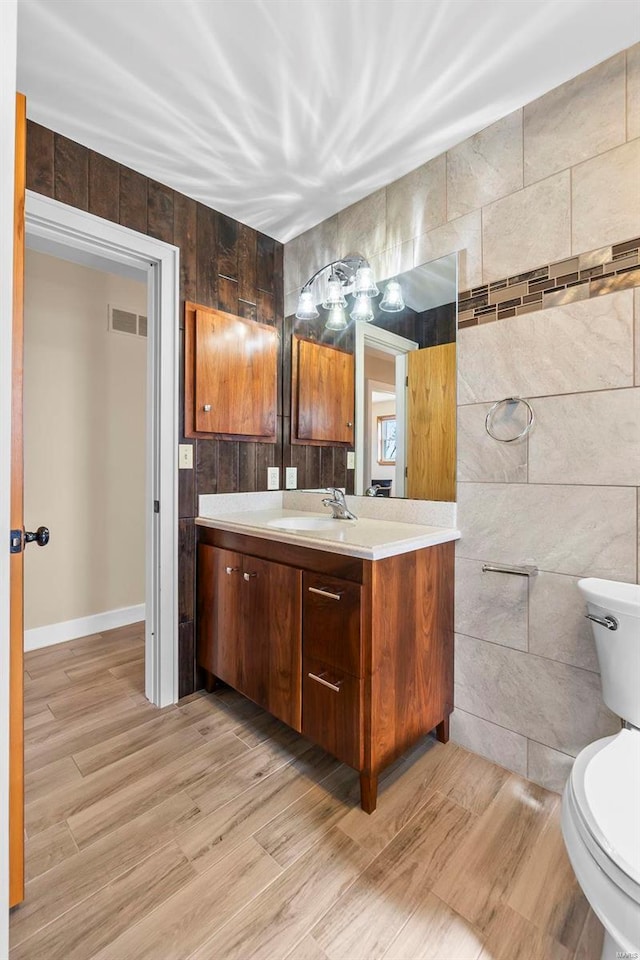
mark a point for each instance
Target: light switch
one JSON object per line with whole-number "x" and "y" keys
{"x": 273, "y": 478}
{"x": 185, "y": 456}
{"x": 291, "y": 478}
{"x": 351, "y": 460}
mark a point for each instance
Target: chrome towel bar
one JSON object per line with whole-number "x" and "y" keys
{"x": 524, "y": 571}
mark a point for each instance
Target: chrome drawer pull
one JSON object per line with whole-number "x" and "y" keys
{"x": 325, "y": 683}
{"x": 609, "y": 622}
{"x": 231, "y": 569}
{"x": 325, "y": 593}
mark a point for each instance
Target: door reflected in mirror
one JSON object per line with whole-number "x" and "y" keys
{"x": 384, "y": 388}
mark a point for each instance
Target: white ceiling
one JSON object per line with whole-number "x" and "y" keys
{"x": 281, "y": 112}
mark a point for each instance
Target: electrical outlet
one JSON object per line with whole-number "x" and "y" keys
{"x": 273, "y": 478}
{"x": 291, "y": 478}
{"x": 351, "y": 460}
{"x": 185, "y": 456}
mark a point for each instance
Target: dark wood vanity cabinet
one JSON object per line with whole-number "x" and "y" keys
{"x": 356, "y": 654}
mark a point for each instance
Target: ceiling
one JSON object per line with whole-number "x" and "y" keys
{"x": 281, "y": 112}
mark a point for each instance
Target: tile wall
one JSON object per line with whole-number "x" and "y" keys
{"x": 556, "y": 181}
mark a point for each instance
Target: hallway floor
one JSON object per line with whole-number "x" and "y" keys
{"x": 210, "y": 830}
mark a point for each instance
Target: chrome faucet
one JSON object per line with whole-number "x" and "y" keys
{"x": 338, "y": 505}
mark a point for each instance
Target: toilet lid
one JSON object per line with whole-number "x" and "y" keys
{"x": 606, "y": 781}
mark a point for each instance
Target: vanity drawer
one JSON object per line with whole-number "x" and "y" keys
{"x": 331, "y": 622}
{"x": 332, "y": 710}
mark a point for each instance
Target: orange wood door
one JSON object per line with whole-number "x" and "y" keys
{"x": 325, "y": 393}
{"x": 431, "y": 423}
{"x": 236, "y": 375}
{"x": 16, "y": 630}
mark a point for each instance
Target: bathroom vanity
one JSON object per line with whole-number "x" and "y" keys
{"x": 343, "y": 631}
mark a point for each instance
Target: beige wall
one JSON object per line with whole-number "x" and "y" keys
{"x": 84, "y": 430}
{"x": 555, "y": 179}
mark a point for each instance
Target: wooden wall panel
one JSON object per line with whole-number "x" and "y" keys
{"x": 219, "y": 258}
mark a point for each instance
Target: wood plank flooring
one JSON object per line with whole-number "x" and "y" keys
{"x": 208, "y": 830}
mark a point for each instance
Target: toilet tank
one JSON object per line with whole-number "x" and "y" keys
{"x": 618, "y": 650}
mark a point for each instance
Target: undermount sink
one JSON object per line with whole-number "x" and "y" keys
{"x": 307, "y": 523}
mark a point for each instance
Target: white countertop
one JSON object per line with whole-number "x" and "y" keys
{"x": 365, "y": 538}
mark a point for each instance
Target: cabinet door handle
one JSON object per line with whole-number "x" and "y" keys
{"x": 249, "y": 576}
{"x": 325, "y": 683}
{"x": 231, "y": 569}
{"x": 325, "y": 593}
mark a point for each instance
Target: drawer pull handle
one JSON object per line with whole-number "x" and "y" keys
{"x": 325, "y": 593}
{"x": 325, "y": 683}
{"x": 249, "y": 576}
{"x": 231, "y": 569}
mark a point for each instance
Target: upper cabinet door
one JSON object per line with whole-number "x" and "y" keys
{"x": 323, "y": 394}
{"x": 431, "y": 423}
{"x": 233, "y": 363}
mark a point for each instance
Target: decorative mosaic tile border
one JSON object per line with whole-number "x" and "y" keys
{"x": 578, "y": 278}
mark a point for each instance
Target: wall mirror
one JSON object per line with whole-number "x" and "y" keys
{"x": 378, "y": 396}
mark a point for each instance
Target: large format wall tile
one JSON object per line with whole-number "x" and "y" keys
{"x": 546, "y": 701}
{"x": 605, "y": 202}
{"x": 567, "y": 349}
{"x": 310, "y": 251}
{"x": 577, "y": 120}
{"x": 485, "y": 167}
{"x": 591, "y": 438}
{"x": 416, "y": 202}
{"x": 490, "y": 606}
{"x": 529, "y": 227}
{"x": 393, "y": 260}
{"x": 482, "y": 458}
{"x": 558, "y": 628}
{"x": 489, "y": 740}
{"x": 550, "y": 768}
{"x": 362, "y": 226}
{"x": 583, "y": 531}
{"x": 463, "y": 235}
{"x": 633, "y": 92}
{"x": 636, "y": 310}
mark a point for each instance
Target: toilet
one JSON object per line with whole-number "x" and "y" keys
{"x": 601, "y": 801}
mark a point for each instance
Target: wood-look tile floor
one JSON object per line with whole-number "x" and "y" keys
{"x": 209, "y": 830}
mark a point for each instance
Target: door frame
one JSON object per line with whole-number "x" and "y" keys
{"x": 90, "y": 237}
{"x": 368, "y": 334}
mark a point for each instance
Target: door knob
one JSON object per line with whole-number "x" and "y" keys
{"x": 40, "y": 536}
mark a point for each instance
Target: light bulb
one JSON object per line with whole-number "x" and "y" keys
{"x": 307, "y": 309}
{"x": 335, "y": 296}
{"x": 365, "y": 285}
{"x": 362, "y": 309}
{"x": 393, "y": 301}
{"x": 336, "y": 319}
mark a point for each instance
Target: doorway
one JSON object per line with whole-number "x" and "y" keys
{"x": 72, "y": 235}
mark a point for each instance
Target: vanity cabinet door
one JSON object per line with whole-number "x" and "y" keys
{"x": 219, "y": 646}
{"x": 331, "y": 622}
{"x": 271, "y": 638}
{"x": 332, "y": 711}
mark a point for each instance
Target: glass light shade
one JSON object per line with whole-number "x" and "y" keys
{"x": 393, "y": 301}
{"x": 336, "y": 319}
{"x": 365, "y": 285}
{"x": 335, "y": 296}
{"x": 362, "y": 309}
{"x": 307, "y": 309}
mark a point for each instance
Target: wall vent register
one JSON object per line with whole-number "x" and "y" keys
{"x": 125, "y": 321}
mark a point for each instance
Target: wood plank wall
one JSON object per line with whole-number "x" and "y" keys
{"x": 223, "y": 264}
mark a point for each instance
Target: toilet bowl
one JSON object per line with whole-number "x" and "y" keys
{"x": 601, "y": 801}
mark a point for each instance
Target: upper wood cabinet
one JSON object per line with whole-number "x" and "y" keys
{"x": 322, "y": 393}
{"x": 231, "y": 376}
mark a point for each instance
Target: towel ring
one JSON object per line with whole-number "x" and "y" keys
{"x": 530, "y": 419}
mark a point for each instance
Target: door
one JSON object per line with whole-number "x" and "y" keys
{"x": 16, "y": 681}
{"x": 325, "y": 392}
{"x": 431, "y": 423}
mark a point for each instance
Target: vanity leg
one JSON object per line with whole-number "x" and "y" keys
{"x": 210, "y": 682}
{"x": 368, "y": 791}
{"x": 442, "y": 730}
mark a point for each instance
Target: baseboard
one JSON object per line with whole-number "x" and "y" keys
{"x": 82, "y": 627}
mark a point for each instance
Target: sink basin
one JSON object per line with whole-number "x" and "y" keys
{"x": 307, "y": 523}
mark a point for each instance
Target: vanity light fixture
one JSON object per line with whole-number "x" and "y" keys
{"x": 352, "y": 274}
{"x": 392, "y": 301}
